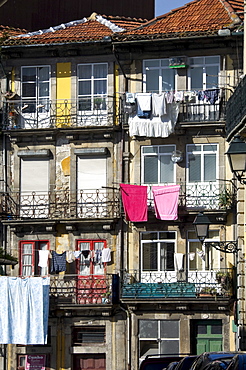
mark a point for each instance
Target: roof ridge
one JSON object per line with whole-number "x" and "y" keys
{"x": 231, "y": 12}
{"x": 112, "y": 26}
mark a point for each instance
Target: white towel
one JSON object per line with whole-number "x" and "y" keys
{"x": 144, "y": 101}
{"x": 179, "y": 259}
{"x": 158, "y": 105}
{"x": 43, "y": 258}
{"x": 106, "y": 255}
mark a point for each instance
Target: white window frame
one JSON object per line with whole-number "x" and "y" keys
{"x": 92, "y": 96}
{"x": 37, "y": 98}
{"x": 202, "y": 152}
{"x": 158, "y": 155}
{"x": 160, "y": 68}
{"x": 195, "y": 63}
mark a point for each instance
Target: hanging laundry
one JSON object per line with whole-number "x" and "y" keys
{"x": 130, "y": 98}
{"x": 179, "y": 96}
{"x": 169, "y": 97}
{"x": 143, "y": 105}
{"x": 98, "y": 256}
{"x": 201, "y": 254}
{"x": 70, "y": 256}
{"x": 77, "y": 254}
{"x": 166, "y": 201}
{"x": 24, "y": 310}
{"x": 58, "y": 262}
{"x": 212, "y": 95}
{"x": 106, "y": 255}
{"x": 134, "y": 198}
{"x": 85, "y": 253}
{"x": 43, "y": 258}
{"x": 179, "y": 261}
{"x": 192, "y": 256}
{"x": 158, "y": 104}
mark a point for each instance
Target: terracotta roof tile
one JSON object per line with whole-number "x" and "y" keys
{"x": 196, "y": 17}
{"x": 95, "y": 28}
{"x": 6, "y": 31}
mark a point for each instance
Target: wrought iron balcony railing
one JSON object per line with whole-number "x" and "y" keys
{"x": 202, "y": 112}
{"x": 100, "y": 203}
{"x": 44, "y": 113}
{"x": 236, "y": 108}
{"x": 74, "y": 289}
{"x": 166, "y": 284}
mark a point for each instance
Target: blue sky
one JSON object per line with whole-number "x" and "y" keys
{"x": 164, "y": 6}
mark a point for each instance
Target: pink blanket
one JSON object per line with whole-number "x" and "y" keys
{"x": 134, "y": 198}
{"x": 166, "y": 201}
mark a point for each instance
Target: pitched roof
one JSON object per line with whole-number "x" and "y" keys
{"x": 6, "y": 31}
{"x": 94, "y": 28}
{"x": 195, "y": 18}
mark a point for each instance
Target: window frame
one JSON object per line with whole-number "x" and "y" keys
{"x": 34, "y": 253}
{"x": 158, "y": 241}
{"x": 89, "y": 329}
{"x": 158, "y": 155}
{"x": 204, "y": 65}
{"x": 79, "y": 261}
{"x": 202, "y": 154}
{"x": 160, "y": 68}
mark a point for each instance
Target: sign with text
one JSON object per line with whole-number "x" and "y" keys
{"x": 35, "y": 362}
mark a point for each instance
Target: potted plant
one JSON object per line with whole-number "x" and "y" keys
{"x": 208, "y": 291}
{"x": 224, "y": 279}
{"x": 106, "y": 297}
{"x": 225, "y": 199}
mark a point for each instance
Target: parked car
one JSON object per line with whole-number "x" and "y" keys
{"x": 238, "y": 362}
{"x": 172, "y": 365}
{"x": 158, "y": 362}
{"x": 217, "y": 365}
{"x": 206, "y": 357}
{"x": 185, "y": 363}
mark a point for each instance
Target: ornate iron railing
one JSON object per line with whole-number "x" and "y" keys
{"x": 202, "y": 112}
{"x": 45, "y": 113}
{"x": 236, "y": 108}
{"x": 192, "y": 283}
{"x": 100, "y": 203}
{"x": 74, "y": 289}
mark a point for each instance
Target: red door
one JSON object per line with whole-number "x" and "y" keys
{"x": 89, "y": 362}
{"x": 91, "y": 285}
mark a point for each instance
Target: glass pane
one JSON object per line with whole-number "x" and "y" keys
{"x": 167, "y": 257}
{"x": 150, "y": 170}
{"x": 165, "y": 62}
{"x": 195, "y": 261}
{"x": 148, "y": 348}
{"x": 29, "y": 74}
{"x": 29, "y": 90}
{"x": 150, "y": 256}
{"x": 167, "y": 169}
{"x": 167, "y": 79}
{"x": 152, "y": 80}
{"x": 150, "y": 149}
{"x": 210, "y": 147}
{"x": 196, "y": 75}
{"x": 212, "y": 60}
{"x": 149, "y": 236}
{"x": 151, "y": 63}
{"x": 167, "y": 235}
{"x": 43, "y": 73}
{"x": 85, "y": 71}
{"x": 100, "y": 71}
{"x": 201, "y": 329}
{"x": 44, "y": 89}
{"x": 100, "y": 87}
{"x": 216, "y": 329}
{"x": 194, "y": 148}
{"x": 194, "y": 167}
{"x": 148, "y": 328}
{"x": 212, "y": 77}
{"x": 210, "y": 167}
{"x": 170, "y": 346}
{"x": 84, "y": 88}
{"x": 166, "y": 148}
{"x": 196, "y": 60}
{"x": 169, "y": 328}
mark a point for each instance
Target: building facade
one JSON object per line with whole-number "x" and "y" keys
{"x": 104, "y": 108}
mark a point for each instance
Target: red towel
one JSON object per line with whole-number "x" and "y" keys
{"x": 134, "y": 198}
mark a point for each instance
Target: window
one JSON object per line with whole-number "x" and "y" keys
{"x": 201, "y": 258}
{"x": 90, "y": 258}
{"x": 158, "y": 337}
{"x": 202, "y": 162}
{"x": 35, "y": 89}
{"x": 85, "y": 335}
{"x": 92, "y": 86}
{"x": 30, "y": 258}
{"x": 204, "y": 73}
{"x": 157, "y": 166}
{"x": 157, "y": 251}
{"x": 157, "y": 76}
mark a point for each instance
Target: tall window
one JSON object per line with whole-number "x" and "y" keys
{"x": 158, "y": 337}
{"x": 204, "y": 72}
{"x": 157, "y": 251}
{"x": 30, "y": 258}
{"x": 90, "y": 262}
{"x": 92, "y": 86}
{"x": 157, "y": 166}
{"x": 202, "y": 162}
{"x": 201, "y": 258}
{"x": 35, "y": 88}
{"x": 158, "y": 76}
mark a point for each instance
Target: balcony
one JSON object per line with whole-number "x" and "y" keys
{"x": 178, "y": 284}
{"x": 48, "y": 114}
{"x": 202, "y": 196}
{"x": 83, "y": 204}
{"x": 83, "y": 290}
{"x": 236, "y": 110}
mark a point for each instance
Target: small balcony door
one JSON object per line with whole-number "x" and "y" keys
{"x": 91, "y": 272}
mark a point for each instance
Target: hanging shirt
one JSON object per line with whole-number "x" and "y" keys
{"x": 58, "y": 262}
{"x": 43, "y": 258}
{"x": 106, "y": 255}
